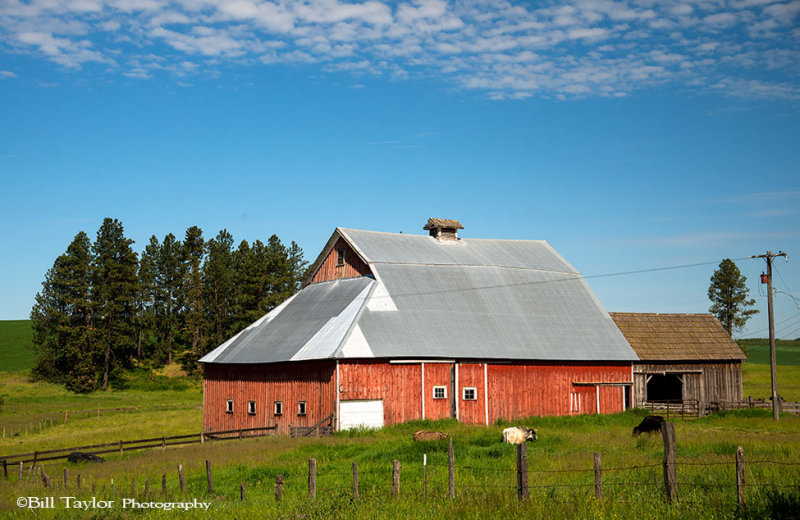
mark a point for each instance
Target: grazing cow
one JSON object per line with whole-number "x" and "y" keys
{"x": 79, "y": 456}
{"x": 650, "y": 424}
{"x": 423, "y": 435}
{"x": 517, "y": 435}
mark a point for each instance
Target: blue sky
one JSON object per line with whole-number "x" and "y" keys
{"x": 631, "y": 135}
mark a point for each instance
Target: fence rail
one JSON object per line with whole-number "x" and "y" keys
{"x": 139, "y": 444}
{"x": 695, "y": 408}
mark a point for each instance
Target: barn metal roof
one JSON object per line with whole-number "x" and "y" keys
{"x": 463, "y": 299}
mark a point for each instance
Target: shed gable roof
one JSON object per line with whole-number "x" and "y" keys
{"x": 673, "y": 337}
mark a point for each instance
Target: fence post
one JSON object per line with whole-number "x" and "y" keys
{"x": 78, "y": 481}
{"x": 312, "y": 478}
{"x": 5, "y": 469}
{"x": 45, "y": 478}
{"x": 163, "y": 443}
{"x": 241, "y": 491}
{"x": 670, "y": 473}
{"x": 202, "y": 438}
{"x": 522, "y": 471}
{"x": 278, "y": 488}
{"x": 120, "y": 447}
{"x": 598, "y": 477}
{"x": 66, "y": 479}
{"x": 395, "y": 478}
{"x": 740, "y": 477}
{"x": 19, "y": 480}
{"x": 425, "y": 475}
{"x": 451, "y": 470}
{"x": 35, "y": 456}
{"x": 209, "y": 476}
{"x": 146, "y": 486}
{"x": 133, "y": 486}
{"x": 180, "y": 477}
{"x": 355, "y": 480}
{"x": 164, "y": 483}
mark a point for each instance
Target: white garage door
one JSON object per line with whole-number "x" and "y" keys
{"x": 367, "y": 413}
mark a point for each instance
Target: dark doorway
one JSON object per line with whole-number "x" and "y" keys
{"x": 664, "y": 388}
{"x": 626, "y": 396}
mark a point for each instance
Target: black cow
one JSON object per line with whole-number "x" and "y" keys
{"x": 79, "y": 456}
{"x": 650, "y": 424}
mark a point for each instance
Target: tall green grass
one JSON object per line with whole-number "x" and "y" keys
{"x": 15, "y": 345}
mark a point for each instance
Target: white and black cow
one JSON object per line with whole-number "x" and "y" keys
{"x": 517, "y": 435}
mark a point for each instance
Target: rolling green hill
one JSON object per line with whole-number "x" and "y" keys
{"x": 787, "y": 352}
{"x": 15, "y": 343}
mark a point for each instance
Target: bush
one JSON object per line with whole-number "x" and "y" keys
{"x": 146, "y": 381}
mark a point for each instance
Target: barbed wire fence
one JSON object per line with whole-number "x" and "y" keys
{"x": 674, "y": 481}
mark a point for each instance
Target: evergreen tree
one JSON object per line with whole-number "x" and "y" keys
{"x": 61, "y": 320}
{"x": 169, "y": 283}
{"x": 728, "y": 294}
{"x": 193, "y": 303}
{"x": 148, "y": 299}
{"x": 219, "y": 289}
{"x": 114, "y": 291}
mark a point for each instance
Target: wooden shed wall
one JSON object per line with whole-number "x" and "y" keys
{"x": 312, "y": 382}
{"x": 716, "y": 381}
{"x": 353, "y": 265}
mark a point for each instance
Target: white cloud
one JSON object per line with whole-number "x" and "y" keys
{"x": 5, "y": 74}
{"x": 508, "y": 48}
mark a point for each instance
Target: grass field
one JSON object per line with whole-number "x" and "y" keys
{"x": 15, "y": 343}
{"x": 560, "y": 463}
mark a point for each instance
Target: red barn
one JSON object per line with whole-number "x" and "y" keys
{"x": 393, "y": 327}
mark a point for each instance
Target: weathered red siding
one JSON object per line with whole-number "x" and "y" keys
{"x": 353, "y": 265}
{"x": 514, "y": 390}
{"x": 312, "y": 382}
{"x": 397, "y": 384}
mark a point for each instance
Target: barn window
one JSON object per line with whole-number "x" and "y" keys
{"x": 229, "y": 406}
{"x": 470, "y": 393}
{"x": 440, "y": 392}
{"x": 340, "y": 257}
{"x": 301, "y": 408}
{"x": 251, "y": 407}
{"x": 278, "y": 408}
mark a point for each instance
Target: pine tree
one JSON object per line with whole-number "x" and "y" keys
{"x": 114, "y": 292}
{"x": 148, "y": 299}
{"x": 169, "y": 281}
{"x": 193, "y": 303}
{"x": 219, "y": 289}
{"x": 61, "y": 320}
{"x": 728, "y": 294}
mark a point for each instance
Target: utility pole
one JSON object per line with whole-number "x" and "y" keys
{"x": 772, "y": 363}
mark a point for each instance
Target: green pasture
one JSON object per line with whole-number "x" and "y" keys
{"x": 560, "y": 464}
{"x": 15, "y": 345}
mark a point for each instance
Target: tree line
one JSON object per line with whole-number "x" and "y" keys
{"x": 104, "y": 308}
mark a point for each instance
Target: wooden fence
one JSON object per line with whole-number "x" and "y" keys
{"x": 693, "y": 408}
{"x": 521, "y": 479}
{"x": 324, "y": 427}
{"x": 140, "y": 444}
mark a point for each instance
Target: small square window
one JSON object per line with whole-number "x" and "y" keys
{"x": 251, "y": 407}
{"x": 278, "y": 408}
{"x": 470, "y": 393}
{"x": 340, "y": 257}
{"x": 301, "y": 408}
{"x": 229, "y": 406}
{"x": 440, "y": 392}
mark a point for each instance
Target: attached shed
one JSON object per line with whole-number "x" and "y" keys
{"x": 687, "y": 358}
{"x": 392, "y": 327}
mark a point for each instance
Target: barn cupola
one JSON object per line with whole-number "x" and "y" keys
{"x": 443, "y": 229}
